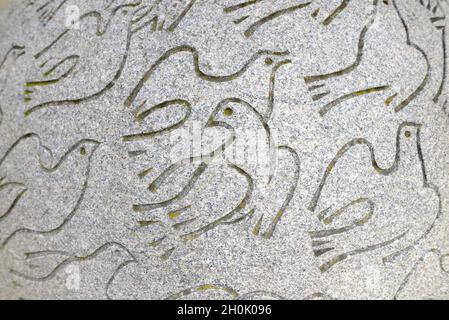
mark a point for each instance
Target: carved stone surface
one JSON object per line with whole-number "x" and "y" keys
{"x": 235, "y": 149}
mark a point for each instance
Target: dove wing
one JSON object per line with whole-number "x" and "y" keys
{"x": 347, "y": 177}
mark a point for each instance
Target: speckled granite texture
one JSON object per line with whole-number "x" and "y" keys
{"x": 224, "y": 149}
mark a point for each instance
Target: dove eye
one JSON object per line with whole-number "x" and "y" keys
{"x": 83, "y": 151}
{"x": 269, "y": 61}
{"x": 408, "y": 134}
{"x": 228, "y": 112}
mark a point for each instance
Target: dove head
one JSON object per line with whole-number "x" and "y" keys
{"x": 86, "y": 148}
{"x": 234, "y": 113}
{"x": 273, "y": 59}
{"x": 409, "y": 149}
{"x": 15, "y": 52}
{"x": 408, "y": 135}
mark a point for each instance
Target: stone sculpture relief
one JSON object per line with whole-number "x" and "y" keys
{"x": 233, "y": 149}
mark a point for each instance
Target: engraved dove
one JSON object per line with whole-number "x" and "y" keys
{"x": 362, "y": 207}
{"x": 332, "y": 92}
{"x": 148, "y": 110}
{"x": 266, "y": 178}
{"x": 37, "y": 197}
{"x": 74, "y": 66}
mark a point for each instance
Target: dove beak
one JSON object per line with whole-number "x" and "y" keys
{"x": 93, "y": 145}
{"x": 211, "y": 122}
{"x": 21, "y": 50}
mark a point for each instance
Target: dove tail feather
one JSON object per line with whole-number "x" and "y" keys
{"x": 329, "y": 264}
{"x": 47, "y": 12}
{"x": 53, "y": 43}
{"x": 334, "y": 14}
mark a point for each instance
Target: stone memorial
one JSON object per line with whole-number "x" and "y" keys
{"x": 224, "y": 149}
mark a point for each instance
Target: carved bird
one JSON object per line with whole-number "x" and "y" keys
{"x": 274, "y": 169}
{"x": 196, "y": 208}
{"x": 222, "y": 86}
{"x": 40, "y": 198}
{"x": 362, "y": 207}
{"x": 74, "y": 66}
{"x": 396, "y": 79}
